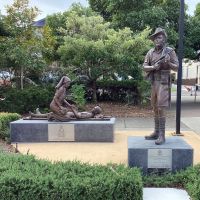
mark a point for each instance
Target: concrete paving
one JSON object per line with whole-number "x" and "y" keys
{"x": 164, "y": 194}
{"x": 193, "y": 123}
{"x": 190, "y": 117}
{"x": 138, "y": 123}
{"x": 98, "y": 152}
{"x": 190, "y": 110}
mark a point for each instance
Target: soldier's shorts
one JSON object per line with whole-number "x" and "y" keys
{"x": 160, "y": 95}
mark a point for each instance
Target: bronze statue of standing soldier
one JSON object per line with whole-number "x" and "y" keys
{"x": 158, "y": 63}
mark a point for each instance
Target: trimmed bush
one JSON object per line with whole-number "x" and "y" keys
{"x": 78, "y": 95}
{"x": 192, "y": 181}
{"x": 126, "y": 84}
{"x": 129, "y": 91}
{"x": 28, "y": 99}
{"x": 24, "y": 177}
{"x": 5, "y": 119}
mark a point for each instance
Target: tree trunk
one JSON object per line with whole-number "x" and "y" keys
{"x": 94, "y": 89}
{"x": 22, "y": 78}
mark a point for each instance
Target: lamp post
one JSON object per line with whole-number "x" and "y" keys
{"x": 180, "y": 58}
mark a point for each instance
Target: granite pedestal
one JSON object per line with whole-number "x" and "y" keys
{"x": 78, "y": 131}
{"x": 173, "y": 155}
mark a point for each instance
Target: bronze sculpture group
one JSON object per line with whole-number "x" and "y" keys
{"x": 158, "y": 63}
{"x": 61, "y": 110}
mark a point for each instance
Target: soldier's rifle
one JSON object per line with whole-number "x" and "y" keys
{"x": 162, "y": 57}
{"x": 158, "y": 61}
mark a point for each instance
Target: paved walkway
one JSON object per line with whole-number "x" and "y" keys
{"x": 164, "y": 194}
{"x": 190, "y": 118}
{"x": 98, "y": 152}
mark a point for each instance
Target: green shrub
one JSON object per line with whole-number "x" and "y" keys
{"x": 128, "y": 84}
{"x": 192, "y": 181}
{"x": 144, "y": 93}
{"x": 24, "y": 177}
{"x": 78, "y": 95}
{"x": 28, "y": 99}
{"x": 129, "y": 91}
{"x": 5, "y": 119}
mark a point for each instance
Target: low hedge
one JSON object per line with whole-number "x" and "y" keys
{"x": 126, "y": 84}
{"x": 192, "y": 178}
{"x": 5, "y": 119}
{"x": 30, "y": 98}
{"x": 23, "y": 101}
{"x": 24, "y": 177}
{"x": 129, "y": 91}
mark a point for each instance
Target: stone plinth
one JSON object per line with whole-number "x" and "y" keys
{"x": 174, "y": 155}
{"x": 78, "y": 131}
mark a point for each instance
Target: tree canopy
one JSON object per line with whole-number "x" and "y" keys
{"x": 137, "y": 14}
{"x": 98, "y": 50}
{"x": 23, "y": 48}
{"x": 104, "y": 45}
{"x": 192, "y": 34}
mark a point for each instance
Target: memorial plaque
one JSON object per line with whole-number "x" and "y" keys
{"x": 174, "y": 155}
{"x": 60, "y": 132}
{"x": 160, "y": 158}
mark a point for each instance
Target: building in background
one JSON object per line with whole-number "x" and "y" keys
{"x": 191, "y": 72}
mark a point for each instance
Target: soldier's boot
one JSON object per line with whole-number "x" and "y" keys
{"x": 155, "y": 134}
{"x": 161, "y": 138}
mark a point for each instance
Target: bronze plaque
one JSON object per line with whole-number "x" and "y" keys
{"x": 160, "y": 158}
{"x": 60, "y": 132}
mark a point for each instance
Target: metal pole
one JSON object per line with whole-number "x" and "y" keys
{"x": 196, "y": 85}
{"x": 180, "y": 58}
{"x": 198, "y": 75}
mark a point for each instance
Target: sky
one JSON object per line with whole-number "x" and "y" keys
{"x": 49, "y": 7}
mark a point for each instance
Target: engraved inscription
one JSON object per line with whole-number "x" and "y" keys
{"x": 160, "y": 158}
{"x": 60, "y": 132}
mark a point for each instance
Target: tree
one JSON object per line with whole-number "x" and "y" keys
{"x": 137, "y": 14}
{"x": 2, "y": 27}
{"x": 23, "y": 48}
{"x": 192, "y": 34}
{"x": 3, "y": 33}
{"x": 100, "y": 51}
{"x": 58, "y": 21}
{"x": 197, "y": 11}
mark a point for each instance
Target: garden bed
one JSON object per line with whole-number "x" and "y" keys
{"x": 122, "y": 109}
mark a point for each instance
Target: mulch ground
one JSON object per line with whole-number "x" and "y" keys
{"x": 122, "y": 110}
{"x": 5, "y": 147}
